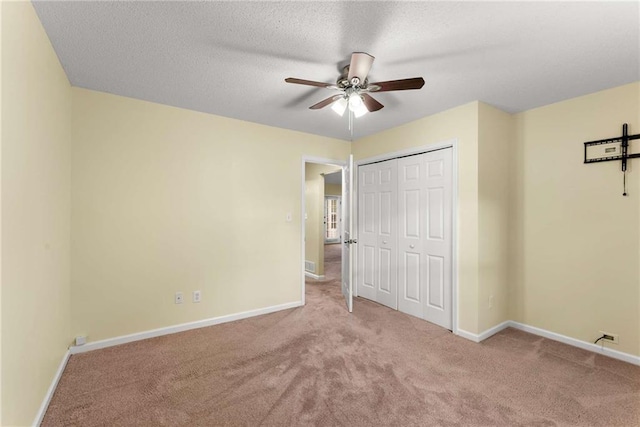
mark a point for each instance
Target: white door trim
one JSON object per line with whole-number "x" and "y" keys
{"x": 305, "y": 160}
{"x": 453, "y": 144}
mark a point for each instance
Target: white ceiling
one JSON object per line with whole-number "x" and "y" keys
{"x": 333, "y": 178}
{"x": 231, "y": 58}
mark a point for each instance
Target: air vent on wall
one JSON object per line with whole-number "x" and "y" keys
{"x": 310, "y": 266}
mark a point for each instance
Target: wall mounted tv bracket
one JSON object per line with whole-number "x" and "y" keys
{"x": 611, "y": 149}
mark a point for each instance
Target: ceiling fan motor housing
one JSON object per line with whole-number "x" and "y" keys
{"x": 344, "y": 83}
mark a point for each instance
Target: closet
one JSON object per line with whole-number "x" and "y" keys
{"x": 404, "y": 256}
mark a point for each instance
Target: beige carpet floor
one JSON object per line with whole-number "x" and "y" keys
{"x": 318, "y": 365}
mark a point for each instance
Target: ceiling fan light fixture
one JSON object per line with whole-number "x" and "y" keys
{"x": 360, "y": 111}
{"x": 340, "y": 106}
{"x": 355, "y": 101}
{"x": 356, "y": 105}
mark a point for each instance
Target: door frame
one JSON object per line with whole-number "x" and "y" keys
{"x": 453, "y": 144}
{"x": 322, "y": 161}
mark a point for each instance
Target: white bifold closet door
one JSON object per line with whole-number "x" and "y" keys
{"x": 425, "y": 236}
{"x": 412, "y": 209}
{"x": 422, "y": 252}
{"x": 377, "y": 237}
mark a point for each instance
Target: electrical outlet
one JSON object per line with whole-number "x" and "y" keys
{"x": 179, "y": 298}
{"x": 609, "y": 337}
{"x": 197, "y": 296}
{"x": 81, "y": 340}
{"x": 491, "y": 301}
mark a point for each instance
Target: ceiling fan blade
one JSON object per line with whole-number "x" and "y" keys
{"x": 325, "y": 102}
{"x": 360, "y": 65}
{"x": 371, "y": 104}
{"x": 404, "y": 84}
{"x": 308, "y": 82}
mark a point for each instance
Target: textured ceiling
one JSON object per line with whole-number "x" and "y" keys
{"x": 231, "y": 58}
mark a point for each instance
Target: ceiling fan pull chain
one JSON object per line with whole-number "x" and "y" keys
{"x": 351, "y": 123}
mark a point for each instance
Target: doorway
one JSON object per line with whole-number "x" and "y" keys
{"x": 333, "y": 224}
{"x": 333, "y": 207}
{"x": 322, "y": 228}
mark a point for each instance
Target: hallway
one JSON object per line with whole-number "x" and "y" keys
{"x": 332, "y": 274}
{"x": 332, "y": 262}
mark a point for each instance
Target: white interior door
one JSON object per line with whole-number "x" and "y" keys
{"x": 367, "y": 231}
{"x": 387, "y": 236}
{"x": 438, "y": 238}
{"x": 412, "y": 214}
{"x": 347, "y": 224}
{"x": 377, "y": 232}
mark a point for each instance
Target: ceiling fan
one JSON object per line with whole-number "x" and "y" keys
{"x": 354, "y": 87}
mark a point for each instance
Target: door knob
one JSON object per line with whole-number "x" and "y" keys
{"x": 411, "y": 246}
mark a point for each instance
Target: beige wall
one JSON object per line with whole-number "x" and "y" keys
{"x": 576, "y": 239}
{"x": 460, "y": 123}
{"x": 36, "y": 107}
{"x": 314, "y": 205}
{"x": 333, "y": 189}
{"x": 495, "y": 139}
{"x": 166, "y": 200}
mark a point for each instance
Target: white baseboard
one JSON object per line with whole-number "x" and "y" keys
{"x": 625, "y": 357}
{"x": 180, "y": 328}
{"x": 51, "y": 390}
{"x": 468, "y": 335}
{"x": 313, "y": 276}
{"x": 484, "y": 335}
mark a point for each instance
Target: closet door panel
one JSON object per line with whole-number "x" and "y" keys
{"x": 366, "y": 277}
{"x": 438, "y": 239}
{"x": 435, "y": 224}
{"x": 387, "y": 291}
{"x": 368, "y": 213}
{"x": 411, "y": 209}
{"x": 385, "y": 249}
{"x": 411, "y": 289}
{"x": 369, "y": 267}
{"x": 411, "y": 225}
{"x": 435, "y": 282}
{"x": 385, "y": 271}
{"x": 386, "y": 202}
